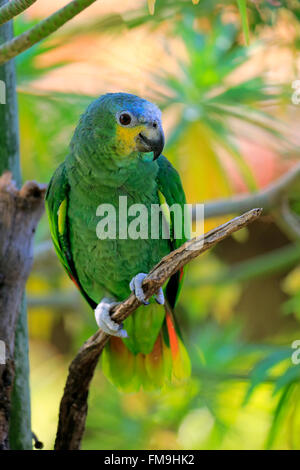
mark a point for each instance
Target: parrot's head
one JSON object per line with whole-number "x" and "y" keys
{"x": 123, "y": 126}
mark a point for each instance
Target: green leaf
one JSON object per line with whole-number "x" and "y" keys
{"x": 261, "y": 372}
{"x": 291, "y": 375}
{"x": 279, "y": 415}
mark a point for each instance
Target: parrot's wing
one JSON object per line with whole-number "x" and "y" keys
{"x": 57, "y": 210}
{"x": 171, "y": 192}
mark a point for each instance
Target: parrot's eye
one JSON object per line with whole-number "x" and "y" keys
{"x": 125, "y": 119}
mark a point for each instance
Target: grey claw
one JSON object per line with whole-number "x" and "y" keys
{"x": 159, "y": 297}
{"x": 104, "y": 321}
{"x": 136, "y": 287}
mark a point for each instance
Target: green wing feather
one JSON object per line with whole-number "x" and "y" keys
{"x": 57, "y": 210}
{"x": 170, "y": 186}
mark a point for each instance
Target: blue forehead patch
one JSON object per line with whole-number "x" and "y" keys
{"x": 141, "y": 108}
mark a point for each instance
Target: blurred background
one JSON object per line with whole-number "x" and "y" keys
{"x": 231, "y": 119}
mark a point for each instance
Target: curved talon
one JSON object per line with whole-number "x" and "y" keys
{"x": 104, "y": 321}
{"x": 136, "y": 287}
{"x": 159, "y": 297}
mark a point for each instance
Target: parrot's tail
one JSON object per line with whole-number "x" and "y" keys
{"x": 167, "y": 363}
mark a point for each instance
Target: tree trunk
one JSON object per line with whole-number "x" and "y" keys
{"x": 14, "y": 394}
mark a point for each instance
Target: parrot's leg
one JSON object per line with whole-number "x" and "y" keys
{"x": 136, "y": 287}
{"x": 104, "y": 321}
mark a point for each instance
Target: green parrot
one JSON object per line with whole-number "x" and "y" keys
{"x": 115, "y": 153}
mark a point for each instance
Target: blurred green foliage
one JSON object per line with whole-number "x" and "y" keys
{"x": 210, "y": 101}
{"x": 244, "y": 390}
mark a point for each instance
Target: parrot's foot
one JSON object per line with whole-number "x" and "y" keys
{"x": 136, "y": 287}
{"x": 104, "y": 320}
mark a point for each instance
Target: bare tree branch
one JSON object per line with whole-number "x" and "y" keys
{"x": 21, "y": 43}
{"x": 14, "y": 8}
{"x": 73, "y": 406}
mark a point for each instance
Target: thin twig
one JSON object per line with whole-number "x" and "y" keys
{"x": 14, "y": 8}
{"x": 24, "y": 41}
{"x": 73, "y": 406}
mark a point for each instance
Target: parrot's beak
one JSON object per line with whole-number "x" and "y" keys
{"x": 151, "y": 139}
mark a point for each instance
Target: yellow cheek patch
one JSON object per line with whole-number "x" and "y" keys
{"x": 126, "y": 138}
